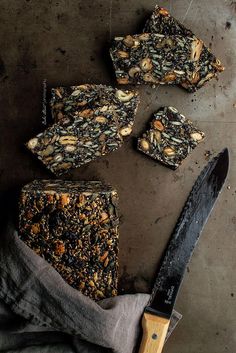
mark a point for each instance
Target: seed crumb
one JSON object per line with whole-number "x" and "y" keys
{"x": 207, "y": 155}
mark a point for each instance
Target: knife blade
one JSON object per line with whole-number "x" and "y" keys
{"x": 186, "y": 233}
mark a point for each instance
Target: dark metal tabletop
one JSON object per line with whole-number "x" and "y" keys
{"x": 66, "y": 42}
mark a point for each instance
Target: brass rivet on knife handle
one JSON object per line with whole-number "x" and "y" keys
{"x": 154, "y": 333}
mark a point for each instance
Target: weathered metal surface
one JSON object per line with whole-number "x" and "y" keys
{"x": 66, "y": 42}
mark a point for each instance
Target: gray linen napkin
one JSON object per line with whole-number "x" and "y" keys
{"x": 40, "y": 312}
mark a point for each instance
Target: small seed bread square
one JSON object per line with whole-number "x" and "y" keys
{"x": 171, "y": 137}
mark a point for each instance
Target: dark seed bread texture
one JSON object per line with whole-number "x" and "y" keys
{"x": 74, "y": 226}
{"x": 171, "y": 137}
{"x": 208, "y": 65}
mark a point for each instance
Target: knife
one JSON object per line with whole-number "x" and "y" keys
{"x": 201, "y": 200}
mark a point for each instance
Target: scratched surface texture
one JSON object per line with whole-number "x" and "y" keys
{"x": 66, "y": 42}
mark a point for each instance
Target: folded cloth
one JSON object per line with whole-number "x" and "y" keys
{"x": 40, "y": 312}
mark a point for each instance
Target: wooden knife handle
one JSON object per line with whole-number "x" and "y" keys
{"x": 154, "y": 332}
